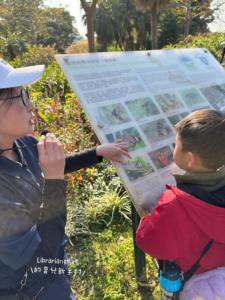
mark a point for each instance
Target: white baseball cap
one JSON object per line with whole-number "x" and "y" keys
{"x": 11, "y": 77}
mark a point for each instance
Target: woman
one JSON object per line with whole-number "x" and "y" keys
{"x": 32, "y": 195}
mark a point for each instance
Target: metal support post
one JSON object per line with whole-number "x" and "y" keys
{"x": 139, "y": 256}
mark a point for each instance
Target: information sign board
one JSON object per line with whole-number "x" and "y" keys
{"x": 139, "y": 96}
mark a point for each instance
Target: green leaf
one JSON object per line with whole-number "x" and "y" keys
{"x": 43, "y": 117}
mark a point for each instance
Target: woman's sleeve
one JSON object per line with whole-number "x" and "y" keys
{"x": 82, "y": 160}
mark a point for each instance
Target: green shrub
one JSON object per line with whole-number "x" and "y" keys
{"x": 78, "y": 47}
{"x": 35, "y": 55}
{"x": 85, "y": 221}
{"x": 53, "y": 83}
{"x": 112, "y": 207}
{"x": 211, "y": 41}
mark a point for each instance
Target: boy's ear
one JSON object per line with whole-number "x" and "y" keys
{"x": 191, "y": 159}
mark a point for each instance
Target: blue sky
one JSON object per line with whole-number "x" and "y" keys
{"x": 73, "y": 6}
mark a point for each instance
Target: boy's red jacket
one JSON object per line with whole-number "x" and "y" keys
{"x": 180, "y": 227}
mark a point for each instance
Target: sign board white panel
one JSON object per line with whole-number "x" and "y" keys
{"x": 139, "y": 96}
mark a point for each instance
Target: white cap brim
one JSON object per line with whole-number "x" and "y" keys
{"x": 22, "y": 76}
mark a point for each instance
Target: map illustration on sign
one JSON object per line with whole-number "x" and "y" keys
{"x": 139, "y": 96}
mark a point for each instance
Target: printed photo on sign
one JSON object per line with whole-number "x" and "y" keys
{"x": 130, "y": 135}
{"x": 169, "y": 102}
{"x": 192, "y": 97}
{"x": 215, "y": 95}
{"x": 112, "y": 115}
{"x": 157, "y": 131}
{"x": 138, "y": 167}
{"x": 141, "y": 108}
{"x": 162, "y": 157}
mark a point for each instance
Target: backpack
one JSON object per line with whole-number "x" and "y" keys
{"x": 209, "y": 285}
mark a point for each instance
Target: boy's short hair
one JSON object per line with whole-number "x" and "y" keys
{"x": 203, "y": 133}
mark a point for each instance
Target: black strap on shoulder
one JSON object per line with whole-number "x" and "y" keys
{"x": 196, "y": 265}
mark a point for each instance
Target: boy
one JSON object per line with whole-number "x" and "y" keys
{"x": 188, "y": 216}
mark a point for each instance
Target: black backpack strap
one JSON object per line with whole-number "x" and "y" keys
{"x": 196, "y": 265}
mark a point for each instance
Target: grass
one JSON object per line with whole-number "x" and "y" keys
{"x": 103, "y": 267}
{"x": 101, "y": 249}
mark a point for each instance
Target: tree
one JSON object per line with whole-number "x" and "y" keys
{"x": 21, "y": 17}
{"x": 89, "y": 8}
{"x": 119, "y": 23}
{"x": 18, "y": 24}
{"x": 170, "y": 29}
{"x": 195, "y": 14}
{"x": 57, "y": 28}
{"x": 181, "y": 19}
{"x": 104, "y": 26}
{"x": 28, "y": 22}
{"x": 153, "y": 6}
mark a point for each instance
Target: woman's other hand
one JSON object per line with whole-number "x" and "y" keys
{"x": 114, "y": 151}
{"x": 51, "y": 157}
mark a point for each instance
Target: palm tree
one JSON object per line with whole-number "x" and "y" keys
{"x": 153, "y": 6}
{"x": 188, "y": 16}
{"x": 89, "y": 8}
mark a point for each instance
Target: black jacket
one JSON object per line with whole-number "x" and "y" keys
{"x": 32, "y": 210}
